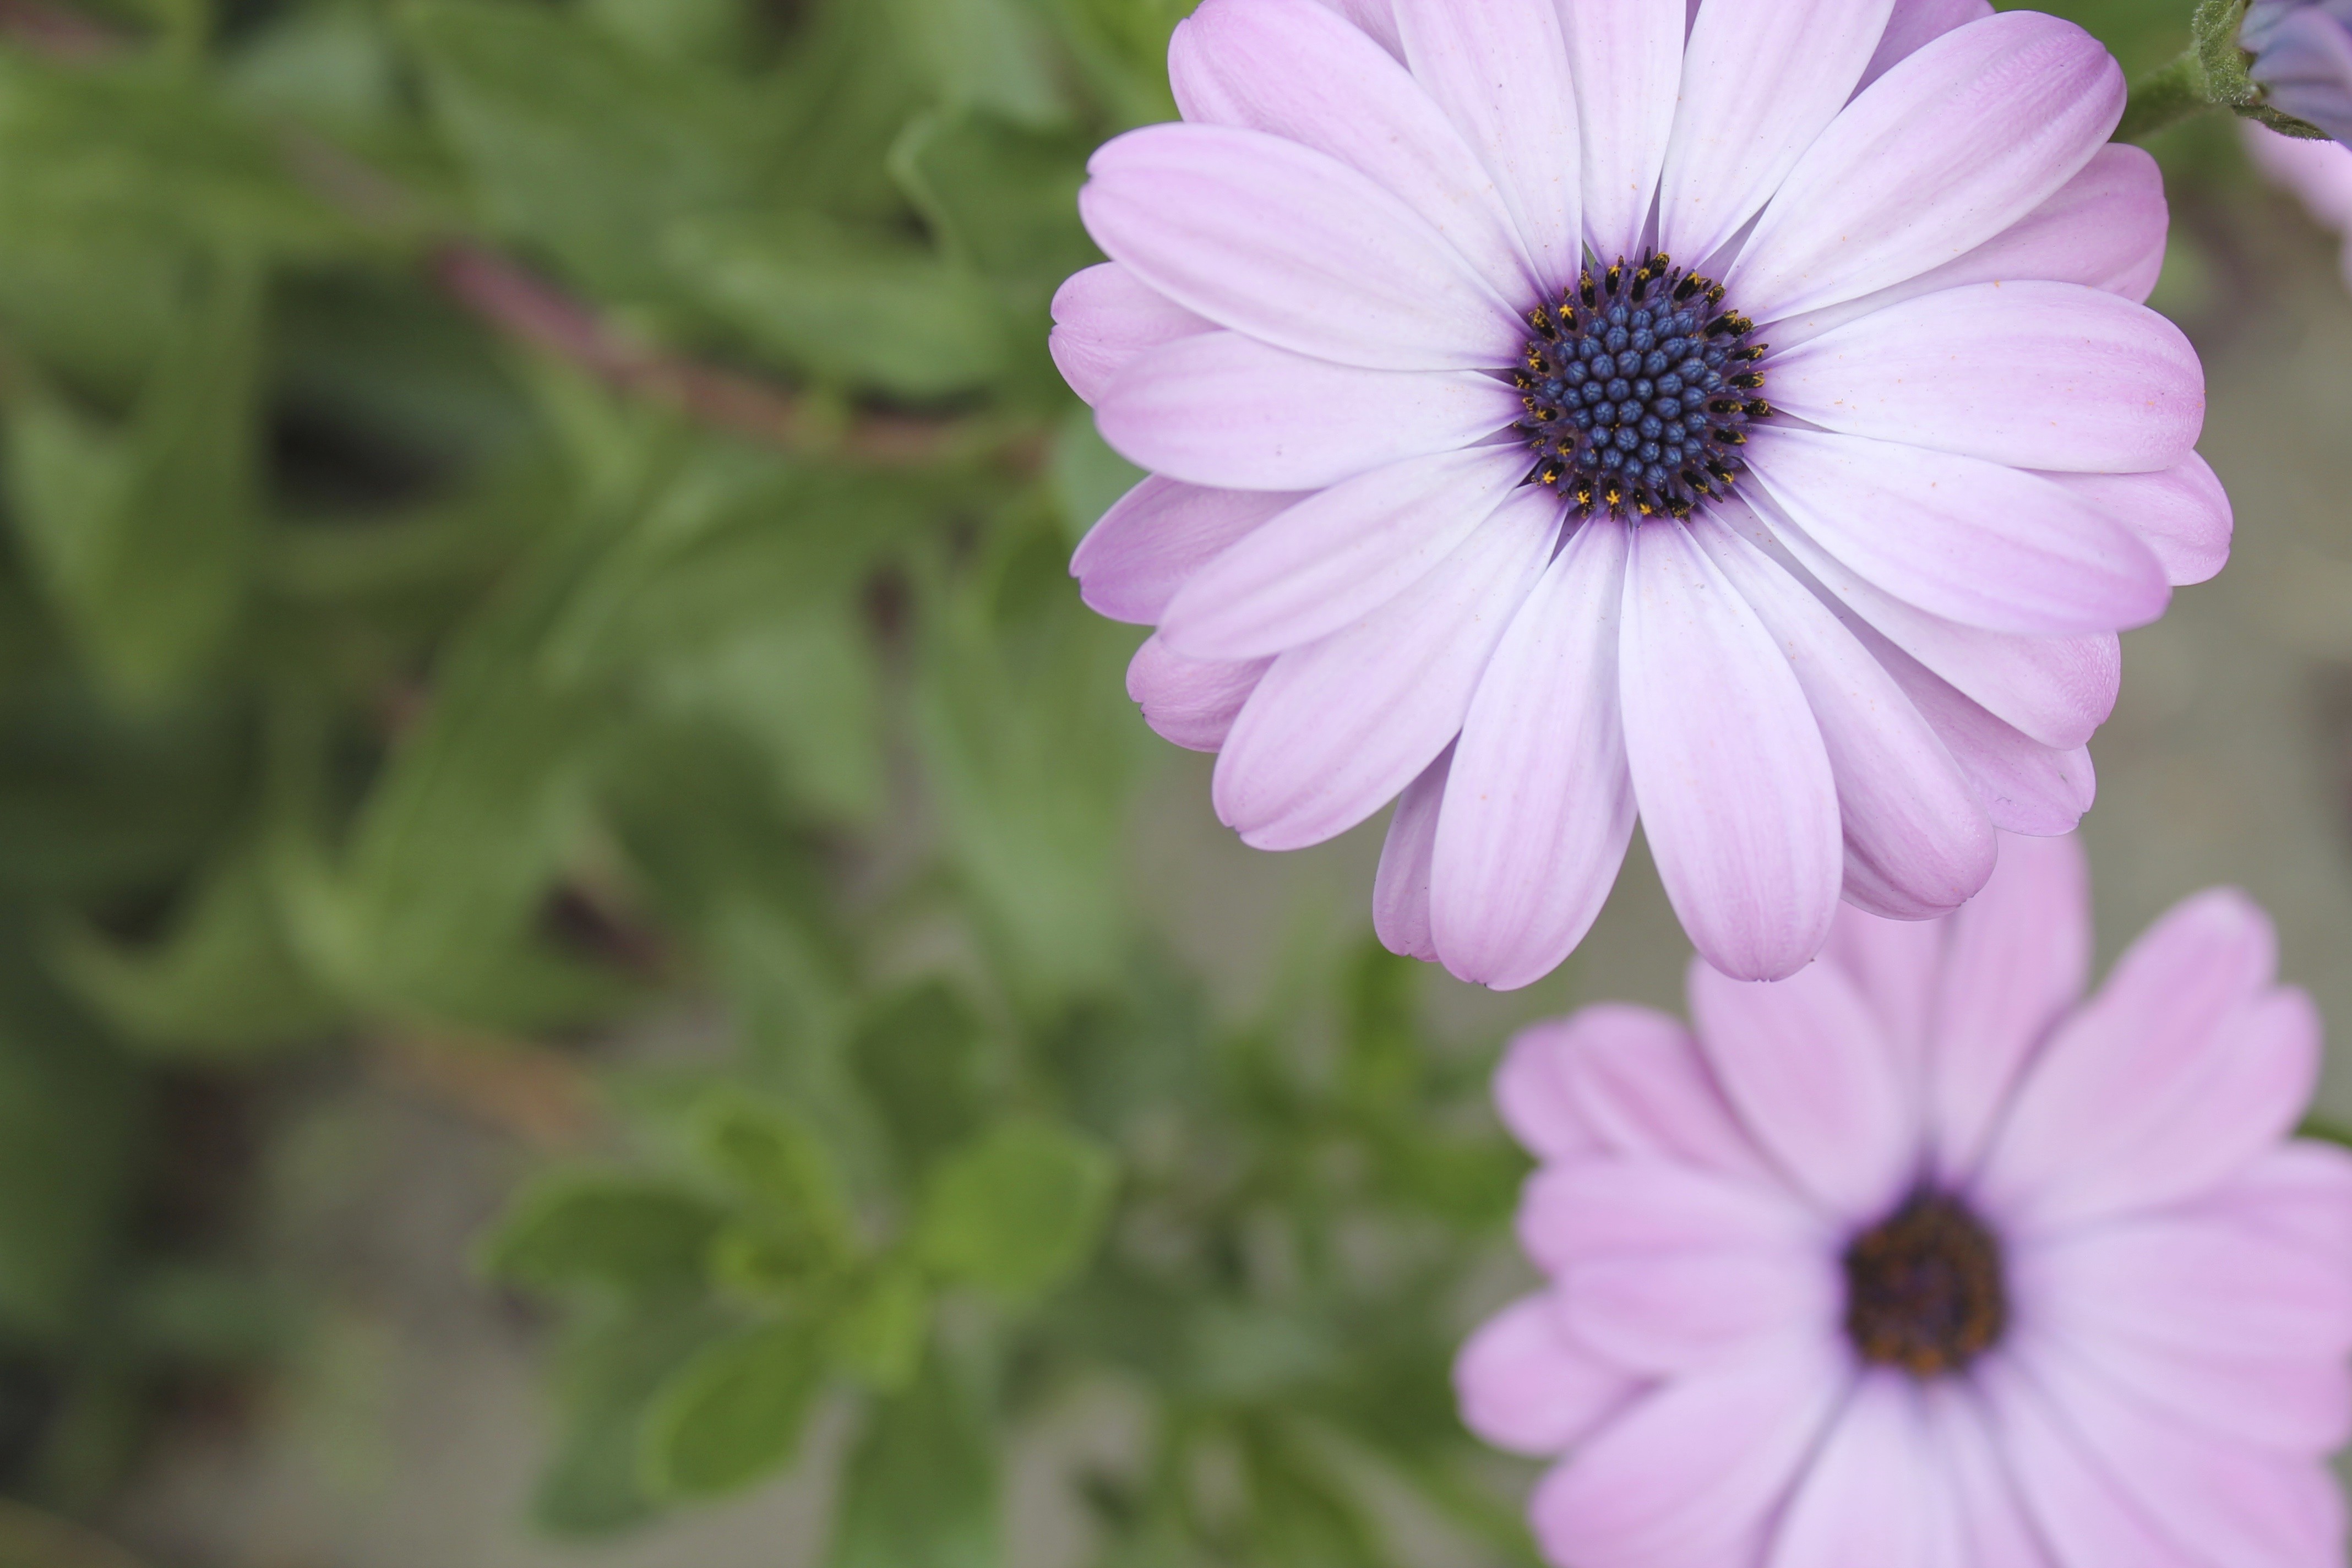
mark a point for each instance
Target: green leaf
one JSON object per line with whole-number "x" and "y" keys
{"x": 331, "y": 66}
{"x": 1002, "y": 195}
{"x": 921, "y": 1486}
{"x": 734, "y": 1413}
{"x": 732, "y": 544}
{"x": 804, "y": 691}
{"x": 983, "y": 54}
{"x": 144, "y": 534}
{"x": 879, "y": 1335}
{"x": 700, "y": 815}
{"x": 137, "y": 151}
{"x": 1031, "y": 745}
{"x": 917, "y": 1058}
{"x": 1383, "y": 1066}
{"x": 844, "y": 306}
{"x": 609, "y": 1367}
{"x": 575, "y": 1230}
{"x": 71, "y": 1112}
{"x": 1121, "y": 46}
{"x": 846, "y": 89}
{"x": 1020, "y": 1211}
{"x": 94, "y": 802}
{"x": 702, "y": 32}
{"x": 785, "y": 1178}
{"x": 437, "y": 907}
{"x": 1304, "y": 1514}
{"x": 577, "y": 142}
{"x": 1255, "y": 1355}
{"x": 225, "y": 981}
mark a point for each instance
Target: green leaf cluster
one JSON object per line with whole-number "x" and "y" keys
{"x": 748, "y": 1261}
{"x": 522, "y": 521}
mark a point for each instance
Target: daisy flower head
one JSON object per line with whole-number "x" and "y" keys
{"x": 2303, "y": 60}
{"x": 1916, "y": 1260}
{"x": 1739, "y": 415}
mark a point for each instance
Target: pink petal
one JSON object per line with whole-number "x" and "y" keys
{"x": 1160, "y": 534}
{"x": 1678, "y": 1313}
{"x": 2108, "y": 1071}
{"x": 1816, "y": 1083}
{"x": 1877, "y": 1491}
{"x": 2077, "y": 1508}
{"x": 1960, "y": 536}
{"x": 1917, "y": 841}
{"x": 2319, "y": 173}
{"x": 2215, "y": 1116}
{"x": 1914, "y": 24}
{"x": 2224, "y": 1502}
{"x": 1297, "y": 69}
{"x": 1625, "y": 57}
{"x": 2105, "y": 228}
{"x": 1691, "y": 1476}
{"x": 2027, "y": 787}
{"x": 1761, "y": 79}
{"x": 1376, "y": 19}
{"x": 1734, "y": 782}
{"x": 1537, "y": 819}
{"x": 2279, "y": 1403}
{"x": 1401, "y": 889}
{"x": 1948, "y": 149}
{"x": 1533, "y": 1094}
{"x": 1577, "y": 1213}
{"x": 2033, "y": 374}
{"x": 1524, "y": 1385}
{"x": 1895, "y": 964}
{"x": 2017, "y": 958}
{"x": 2300, "y": 1193}
{"x": 1338, "y": 556}
{"x": 1993, "y": 1525}
{"x": 2196, "y": 1287}
{"x": 2058, "y": 690}
{"x": 1338, "y": 728}
{"x": 1496, "y": 70}
{"x": 1226, "y": 410}
{"x": 1637, "y": 1085}
{"x": 1191, "y": 701}
{"x": 1293, "y": 247}
{"x": 1102, "y": 318}
{"x": 2182, "y": 514}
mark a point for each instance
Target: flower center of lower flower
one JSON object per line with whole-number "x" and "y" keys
{"x": 1923, "y": 1287}
{"x": 1639, "y": 386}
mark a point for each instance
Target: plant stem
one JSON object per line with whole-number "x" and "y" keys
{"x": 2163, "y": 97}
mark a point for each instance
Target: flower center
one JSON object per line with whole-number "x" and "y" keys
{"x": 1923, "y": 1287}
{"x": 1639, "y": 386}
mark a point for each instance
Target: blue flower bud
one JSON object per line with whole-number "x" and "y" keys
{"x": 2303, "y": 60}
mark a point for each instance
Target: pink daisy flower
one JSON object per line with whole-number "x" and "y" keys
{"x": 1556, "y": 416}
{"x": 1915, "y": 1260}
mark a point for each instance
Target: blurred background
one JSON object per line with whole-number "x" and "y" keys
{"x": 593, "y": 965}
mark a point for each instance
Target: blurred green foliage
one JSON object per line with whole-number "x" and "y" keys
{"x": 519, "y": 512}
